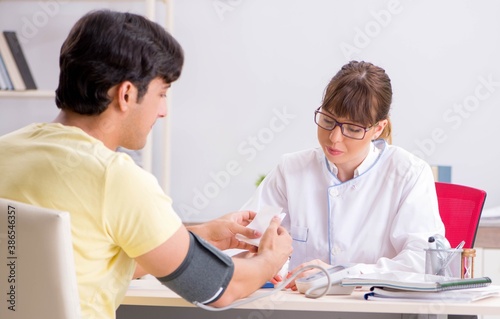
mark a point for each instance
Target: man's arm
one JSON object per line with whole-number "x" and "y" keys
{"x": 221, "y": 233}
{"x": 251, "y": 273}
{"x": 274, "y": 249}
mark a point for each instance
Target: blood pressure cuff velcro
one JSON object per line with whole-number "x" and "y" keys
{"x": 204, "y": 274}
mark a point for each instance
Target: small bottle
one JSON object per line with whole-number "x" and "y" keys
{"x": 468, "y": 255}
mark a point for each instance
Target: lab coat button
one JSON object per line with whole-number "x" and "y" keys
{"x": 334, "y": 192}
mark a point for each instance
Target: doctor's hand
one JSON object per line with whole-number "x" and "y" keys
{"x": 306, "y": 273}
{"x": 221, "y": 232}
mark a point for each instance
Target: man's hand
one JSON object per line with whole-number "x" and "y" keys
{"x": 276, "y": 245}
{"x": 221, "y": 232}
{"x": 252, "y": 270}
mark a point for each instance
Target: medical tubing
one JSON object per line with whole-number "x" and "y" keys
{"x": 276, "y": 289}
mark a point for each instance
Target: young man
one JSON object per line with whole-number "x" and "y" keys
{"x": 115, "y": 72}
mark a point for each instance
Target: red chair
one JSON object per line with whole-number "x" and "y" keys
{"x": 460, "y": 208}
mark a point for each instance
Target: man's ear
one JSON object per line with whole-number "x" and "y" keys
{"x": 126, "y": 94}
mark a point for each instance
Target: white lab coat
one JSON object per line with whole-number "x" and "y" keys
{"x": 380, "y": 220}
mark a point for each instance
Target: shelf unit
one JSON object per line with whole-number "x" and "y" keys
{"x": 147, "y": 151}
{"x": 28, "y": 94}
{"x": 150, "y": 14}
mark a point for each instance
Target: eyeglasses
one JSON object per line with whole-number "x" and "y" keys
{"x": 349, "y": 130}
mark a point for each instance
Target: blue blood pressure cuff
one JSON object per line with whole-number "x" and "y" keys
{"x": 204, "y": 274}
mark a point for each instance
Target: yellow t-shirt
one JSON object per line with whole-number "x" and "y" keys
{"x": 118, "y": 210}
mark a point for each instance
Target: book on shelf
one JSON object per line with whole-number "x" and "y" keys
{"x": 442, "y": 173}
{"x": 461, "y": 295}
{"x": 10, "y": 64}
{"x": 5, "y": 76}
{"x": 3, "y": 80}
{"x": 410, "y": 281}
{"x": 20, "y": 59}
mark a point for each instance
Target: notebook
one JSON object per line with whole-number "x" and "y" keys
{"x": 462, "y": 295}
{"x": 415, "y": 281}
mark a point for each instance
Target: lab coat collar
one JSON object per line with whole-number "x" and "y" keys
{"x": 376, "y": 147}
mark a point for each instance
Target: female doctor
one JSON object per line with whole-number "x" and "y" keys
{"x": 356, "y": 199}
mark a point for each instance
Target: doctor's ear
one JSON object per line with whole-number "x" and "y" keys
{"x": 379, "y": 128}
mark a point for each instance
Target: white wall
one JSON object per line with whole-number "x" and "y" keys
{"x": 247, "y": 60}
{"x": 255, "y": 71}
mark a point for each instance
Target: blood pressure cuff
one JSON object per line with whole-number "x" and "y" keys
{"x": 204, "y": 274}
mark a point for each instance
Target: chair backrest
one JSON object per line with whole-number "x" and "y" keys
{"x": 460, "y": 208}
{"x": 37, "y": 271}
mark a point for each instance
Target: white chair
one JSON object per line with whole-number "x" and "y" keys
{"x": 37, "y": 271}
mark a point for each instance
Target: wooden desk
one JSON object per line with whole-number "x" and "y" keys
{"x": 291, "y": 302}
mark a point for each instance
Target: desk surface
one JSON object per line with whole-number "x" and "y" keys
{"x": 151, "y": 293}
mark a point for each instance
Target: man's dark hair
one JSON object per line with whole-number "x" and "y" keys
{"x": 105, "y": 48}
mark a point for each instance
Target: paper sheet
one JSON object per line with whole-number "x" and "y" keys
{"x": 261, "y": 222}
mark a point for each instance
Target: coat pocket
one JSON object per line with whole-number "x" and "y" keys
{"x": 299, "y": 233}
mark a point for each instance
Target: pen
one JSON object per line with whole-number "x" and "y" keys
{"x": 442, "y": 270}
{"x": 432, "y": 242}
{"x": 432, "y": 255}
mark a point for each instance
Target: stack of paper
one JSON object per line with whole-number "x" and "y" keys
{"x": 399, "y": 285}
{"x": 415, "y": 281}
{"x": 462, "y": 295}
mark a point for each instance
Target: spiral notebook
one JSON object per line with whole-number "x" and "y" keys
{"x": 462, "y": 295}
{"x": 415, "y": 281}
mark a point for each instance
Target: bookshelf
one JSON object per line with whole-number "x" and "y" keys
{"x": 27, "y": 94}
{"x": 162, "y": 143}
{"x": 150, "y": 12}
